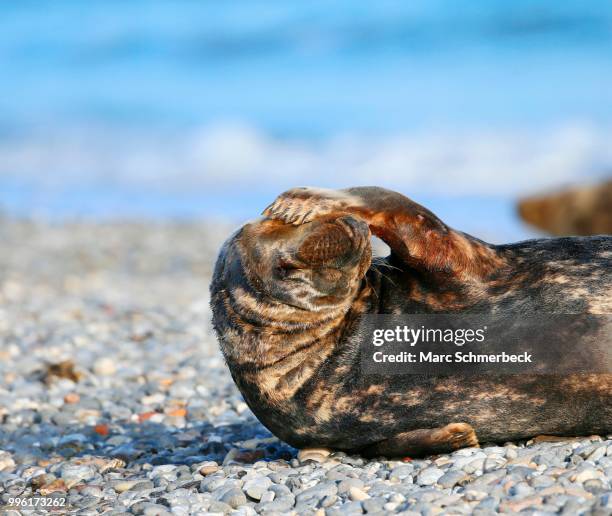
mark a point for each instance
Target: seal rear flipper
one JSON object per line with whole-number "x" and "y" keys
{"x": 417, "y": 443}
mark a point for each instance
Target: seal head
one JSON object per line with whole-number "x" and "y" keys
{"x": 309, "y": 267}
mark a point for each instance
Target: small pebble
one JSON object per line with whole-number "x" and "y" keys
{"x": 105, "y": 366}
{"x": 429, "y": 476}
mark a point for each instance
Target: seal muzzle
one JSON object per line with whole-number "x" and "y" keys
{"x": 328, "y": 244}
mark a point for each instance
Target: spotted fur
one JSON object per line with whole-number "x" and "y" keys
{"x": 289, "y": 289}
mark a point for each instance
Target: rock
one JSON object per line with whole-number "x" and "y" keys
{"x": 280, "y": 490}
{"x": 542, "y": 481}
{"x": 328, "y": 501}
{"x": 53, "y": 487}
{"x": 281, "y": 505}
{"x": 474, "y": 466}
{"x": 357, "y": 494}
{"x": 452, "y": 478}
{"x": 105, "y": 366}
{"x": 92, "y": 491}
{"x": 74, "y": 474}
{"x": 472, "y": 495}
{"x": 234, "y": 498}
{"x": 105, "y": 465}
{"x": 317, "y": 492}
{"x": 605, "y": 501}
{"x": 149, "y": 509}
{"x": 429, "y": 476}
{"x": 41, "y": 480}
{"x": 208, "y": 468}
{"x": 76, "y": 441}
{"x": 211, "y": 484}
{"x": 519, "y": 505}
{"x": 125, "y": 485}
{"x": 373, "y": 505}
{"x": 126, "y": 453}
{"x": 163, "y": 470}
{"x": 12, "y": 485}
{"x": 7, "y": 463}
{"x": 402, "y": 473}
{"x": 72, "y": 398}
{"x": 488, "y": 504}
{"x": 143, "y": 485}
{"x": 594, "y": 485}
{"x": 493, "y": 463}
{"x": 597, "y": 453}
{"x": 314, "y": 454}
{"x": 255, "y": 488}
{"x": 61, "y": 370}
{"x": 511, "y": 453}
{"x": 268, "y": 496}
{"x": 586, "y": 474}
{"x": 221, "y": 507}
{"x": 521, "y": 489}
{"x": 347, "y": 483}
{"x": 351, "y": 508}
{"x": 154, "y": 399}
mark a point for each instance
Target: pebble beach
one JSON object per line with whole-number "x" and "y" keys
{"x": 114, "y": 396}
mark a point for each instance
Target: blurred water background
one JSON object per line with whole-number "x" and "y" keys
{"x": 207, "y": 109}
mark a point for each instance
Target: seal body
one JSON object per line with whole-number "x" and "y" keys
{"x": 289, "y": 289}
{"x": 585, "y": 210}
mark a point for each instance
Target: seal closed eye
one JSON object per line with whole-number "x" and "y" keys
{"x": 288, "y": 291}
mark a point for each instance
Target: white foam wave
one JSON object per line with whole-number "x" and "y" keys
{"x": 501, "y": 163}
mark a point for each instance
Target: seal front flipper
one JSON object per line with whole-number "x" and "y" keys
{"x": 418, "y": 443}
{"x": 304, "y": 204}
{"x": 413, "y": 233}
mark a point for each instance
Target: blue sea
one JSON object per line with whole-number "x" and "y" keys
{"x": 208, "y": 109}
